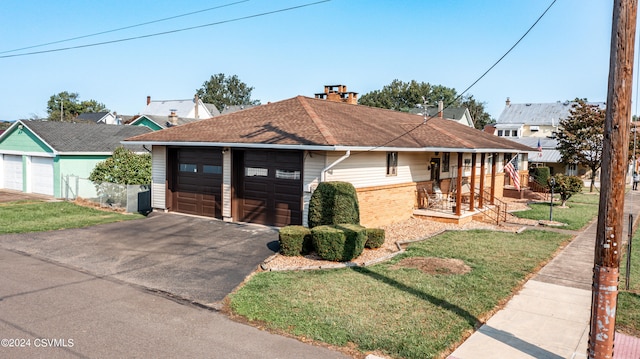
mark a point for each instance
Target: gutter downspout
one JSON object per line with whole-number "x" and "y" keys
{"x": 324, "y": 170}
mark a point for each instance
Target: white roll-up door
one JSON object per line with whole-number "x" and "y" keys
{"x": 12, "y": 172}
{"x": 42, "y": 175}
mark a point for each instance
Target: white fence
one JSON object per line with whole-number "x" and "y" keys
{"x": 131, "y": 198}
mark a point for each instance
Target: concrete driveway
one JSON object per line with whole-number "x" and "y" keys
{"x": 198, "y": 259}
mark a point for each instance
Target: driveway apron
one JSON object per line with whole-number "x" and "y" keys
{"x": 198, "y": 259}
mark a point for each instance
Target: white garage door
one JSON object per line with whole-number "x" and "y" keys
{"x": 12, "y": 172}
{"x": 42, "y": 175}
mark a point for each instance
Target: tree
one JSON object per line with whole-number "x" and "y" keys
{"x": 567, "y": 186}
{"x": 123, "y": 167}
{"x": 403, "y": 96}
{"x": 222, "y": 90}
{"x": 478, "y": 113}
{"x": 580, "y": 137}
{"x": 70, "y": 106}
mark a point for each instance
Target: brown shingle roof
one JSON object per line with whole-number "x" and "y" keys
{"x": 315, "y": 122}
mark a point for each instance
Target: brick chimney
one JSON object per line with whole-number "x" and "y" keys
{"x": 173, "y": 118}
{"x": 148, "y": 100}
{"x": 441, "y": 109}
{"x": 196, "y": 103}
{"x": 338, "y": 93}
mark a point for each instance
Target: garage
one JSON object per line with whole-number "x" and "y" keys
{"x": 196, "y": 181}
{"x": 269, "y": 187}
{"x": 12, "y": 172}
{"x": 42, "y": 175}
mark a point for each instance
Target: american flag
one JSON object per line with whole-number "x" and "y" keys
{"x": 539, "y": 148}
{"x": 512, "y": 169}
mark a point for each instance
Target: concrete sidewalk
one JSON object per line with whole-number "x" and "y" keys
{"x": 549, "y": 317}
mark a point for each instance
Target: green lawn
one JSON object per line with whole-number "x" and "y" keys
{"x": 628, "y": 311}
{"x": 21, "y": 217}
{"x": 403, "y": 312}
{"x": 576, "y": 215}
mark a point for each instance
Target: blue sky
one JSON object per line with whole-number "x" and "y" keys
{"x": 364, "y": 44}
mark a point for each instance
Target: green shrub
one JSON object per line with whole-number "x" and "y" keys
{"x": 333, "y": 203}
{"x": 294, "y": 240}
{"x": 541, "y": 175}
{"x": 375, "y": 237}
{"x": 567, "y": 186}
{"x": 339, "y": 243}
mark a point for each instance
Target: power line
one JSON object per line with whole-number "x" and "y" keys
{"x": 165, "y": 32}
{"x": 450, "y": 103}
{"x": 124, "y": 28}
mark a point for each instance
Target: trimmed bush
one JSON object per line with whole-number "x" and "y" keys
{"x": 541, "y": 175}
{"x": 295, "y": 240}
{"x": 339, "y": 243}
{"x": 375, "y": 238}
{"x": 333, "y": 203}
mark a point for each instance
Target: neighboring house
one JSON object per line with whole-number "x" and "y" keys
{"x": 157, "y": 123}
{"x": 458, "y": 114}
{"x": 261, "y": 165}
{"x": 187, "y": 109}
{"x": 529, "y": 122}
{"x": 39, "y": 156}
{"x": 105, "y": 118}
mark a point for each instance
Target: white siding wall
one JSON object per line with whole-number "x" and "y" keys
{"x": 313, "y": 165}
{"x": 226, "y": 185}
{"x": 158, "y": 176}
{"x": 369, "y": 169}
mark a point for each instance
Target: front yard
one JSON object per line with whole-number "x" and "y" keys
{"x": 406, "y": 307}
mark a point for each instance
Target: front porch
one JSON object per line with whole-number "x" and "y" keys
{"x": 444, "y": 207}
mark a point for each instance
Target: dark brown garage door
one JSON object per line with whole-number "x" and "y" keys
{"x": 197, "y": 181}
{"x": 271, "y": 188}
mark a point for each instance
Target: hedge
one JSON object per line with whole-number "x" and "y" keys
{"x": 341, "y": 243}
{"x": 295, "y": 240}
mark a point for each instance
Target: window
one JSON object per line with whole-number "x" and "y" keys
{"x": 514, "y": 133}
{"x": 392, "y": 163}
{"x": 500, "y": 133}
{"x": 210, "y": 169}
{"x": 256, "y": 172}
{"x": 446, "y": 158}
{"x": 288, "y": 174}
{"x": 188, "y": 167}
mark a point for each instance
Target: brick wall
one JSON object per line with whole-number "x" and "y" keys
{"x": 383, "y": 205}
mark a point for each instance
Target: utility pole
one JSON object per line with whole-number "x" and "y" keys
{"x": 614, "y": 165}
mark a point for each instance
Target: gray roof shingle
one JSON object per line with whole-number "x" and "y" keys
{"x": 81, "y": 137}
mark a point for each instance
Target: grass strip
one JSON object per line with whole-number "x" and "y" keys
{"x": 628, "y": 311}
{"x": 22, "y": 217}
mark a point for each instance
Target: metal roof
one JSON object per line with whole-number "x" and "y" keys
{"x": 544, "y": 114}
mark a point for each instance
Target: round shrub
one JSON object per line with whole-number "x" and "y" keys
{"x": 333, "y": 203}
{"x": 340, "y": 243}
{"x": 294, "y": 240}
{"x": 375, "y": 238}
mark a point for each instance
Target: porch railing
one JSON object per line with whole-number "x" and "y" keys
{"x": 494, "y": 213}
{"x": 445, "y": 203}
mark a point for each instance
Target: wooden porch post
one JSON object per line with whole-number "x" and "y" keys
{"x": 459, "y": 186}
{"x": 493, "y": 178}
{"x": 482, "y": 175}
{"x": 472, "y": 189}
